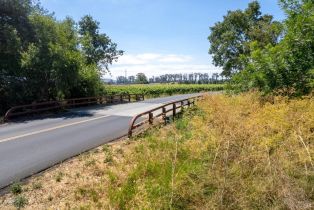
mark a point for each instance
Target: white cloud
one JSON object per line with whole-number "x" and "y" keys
{"x": 175, "y": 59}
{"x": 153, "y": 64}
{"x": 148, "y": 58}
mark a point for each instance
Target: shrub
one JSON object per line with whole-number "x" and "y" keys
{"x": 20, "y": 202}
{"x": 16, "y": 188}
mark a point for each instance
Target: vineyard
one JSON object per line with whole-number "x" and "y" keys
{"x": 162, "y": 89}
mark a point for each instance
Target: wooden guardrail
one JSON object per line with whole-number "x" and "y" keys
{"x": 74, "y": 102}
{"x": 163, "y": 110}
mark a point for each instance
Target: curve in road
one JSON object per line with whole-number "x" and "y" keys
{"x": 30, "y": 146}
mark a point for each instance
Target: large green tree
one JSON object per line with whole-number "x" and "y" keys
{"x": 51, "y": 63}
{"x": 42, "y": 58}
{"x": 16, "y": 32}
{"x": 287, "y": 67}
{"x": 98, "y": 48}
{"x": 141, "y": 78}
{"x": 230, "y": 39}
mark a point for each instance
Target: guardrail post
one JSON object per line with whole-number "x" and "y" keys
{"x": 164, "y": 115}
{"x": 129, "y": 98}
{"x": 150, "y": 118}
{"x": 189, "y": 103}
{"x": 174, "y": 110}
{"x": 130, "y": 133}
{"x": 121, "y": 99}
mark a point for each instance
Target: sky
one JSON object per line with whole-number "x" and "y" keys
{"x": 158, "y": 36}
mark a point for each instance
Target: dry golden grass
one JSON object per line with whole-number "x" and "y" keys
{"x": 232, "y": 152}
{"x": 73, "y": 184}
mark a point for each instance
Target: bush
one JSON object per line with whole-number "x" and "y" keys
{"x": 20, "y": 202}
{"x": 16, "y": 188}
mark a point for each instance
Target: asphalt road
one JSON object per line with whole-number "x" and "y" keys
{"x": 30, "y": 146}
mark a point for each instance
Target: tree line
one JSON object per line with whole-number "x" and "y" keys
{"x": 42, "y": 58}
{"x": 191, "y": 78}
{"x": 257, "y": 52}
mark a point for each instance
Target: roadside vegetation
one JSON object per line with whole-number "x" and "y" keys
{"x": 229, "y": 152}
{"x": 42, "y": 58}
{"x": 257, "y": 52}
{"x": 155, "y": 90}
{"x": 251, "y": 149}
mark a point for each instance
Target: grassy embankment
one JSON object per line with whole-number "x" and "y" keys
{"x": 155, "y": 90}
{"x": 239, "y": 152}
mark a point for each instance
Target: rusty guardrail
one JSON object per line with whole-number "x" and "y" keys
{"x": 164, "y": 109}
{"x": 74, "y": 102}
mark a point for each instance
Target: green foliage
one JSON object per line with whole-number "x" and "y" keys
{"x": 98, "y": 48}
{"x": 230, "y": 39}
{"x": 288, "y": 66}
{"x": 52, "y": 63}
{"x": 45, "y": 59}
{"x": 141, "y": 78}
{"x": 162, "y": 89}
{"x": 16, "y": 188}
{"x": 20, "y": 202}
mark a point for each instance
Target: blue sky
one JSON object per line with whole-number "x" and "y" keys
{"x": 160, "y": 36}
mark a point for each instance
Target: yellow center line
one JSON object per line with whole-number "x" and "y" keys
{"x": 51, "y": 129}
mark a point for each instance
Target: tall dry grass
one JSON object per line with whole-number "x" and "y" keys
{"x": 229, "y": 152}
{"x": 238, "y": 152}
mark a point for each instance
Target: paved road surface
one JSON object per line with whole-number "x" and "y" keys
{"x": 27, "y": 147}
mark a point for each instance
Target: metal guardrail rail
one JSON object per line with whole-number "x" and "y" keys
{"x": 164, "y": 109}
{"x": 74, "y": 102}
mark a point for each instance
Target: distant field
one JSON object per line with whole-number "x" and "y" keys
{"x": 162, "y": 89}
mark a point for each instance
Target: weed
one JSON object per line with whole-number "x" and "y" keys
{"x": 59, "y": 176}
{"x": 108, "y": 158}
{"x": 16, "y": 188}
{"x": 119, "y": 151}
{"x": 88, "y": 193}
{"x": 182, "y": 124}
{"x": 106, "y": 148}
{"x": 50, "y": 198}
{"x": 112, "y": 177}
{"x": 90, "y": 162}
{"x": 37, "y": 185}
{"x": 77, "y": 175}
{"x": 20, "y": 202}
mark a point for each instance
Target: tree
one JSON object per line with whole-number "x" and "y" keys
{"x": 16, "y": 32}
{"x": 288, "y": 66}
{"x": 122, "y": 80}
{"x": 45, "y": 59}
{"x": 51, "y": 63}
{"x": 141, "y": 78}
{"x": 230, "y": 39}
{"x": 98, "y": 48}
